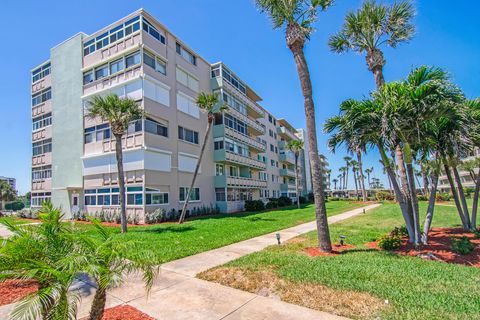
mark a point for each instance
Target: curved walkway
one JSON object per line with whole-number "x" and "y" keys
{"x": 178, "y": 295}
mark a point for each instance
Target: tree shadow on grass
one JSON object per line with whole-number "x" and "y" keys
{"x": 161, "y": 229}
{"x": 255, "y": 219}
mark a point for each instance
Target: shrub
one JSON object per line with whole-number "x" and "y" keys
{"x": 254, "y": 205}
{"x": 399, "y": 232}
{"x": 383, "y": 195}
{"x": 389, "y": 242}
{"x": 284, "y": 201}
{"x": 334, "y": 199}
{"x": 462, "y": 245}
{"x": 272, "y": 204}
{"x": 311, "y": 197}
{"x": 476, "y": 232}
{"x": 422, "y": 198}
{"x": 15, "y": 206}
{"x": 28, "y": 213}
{"x": 80, "y": 216}
{"x": 302, "y": 199}
{"x": 443, "y": 197}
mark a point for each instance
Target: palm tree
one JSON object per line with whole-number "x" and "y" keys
{"x": 6, "y": 193}
{"x": 108, "y": 265}
{"x": 296, "y": 146}
{"x": 118, "y": 112}
{"x": 298, "y": 17}
{"x": 335, "y": 183}
{"x": 329, "y": 172}
{"x": 347, "y": 160}
{"x": 369, "y": 171}
{"x": 209, "y": 104}
{"x": 372, "y": 26}
{"x": 354, "y": 165}
{"x": 473, "y": 113}
{"x": 49, "y": 255}
{"x": 343, "y": 171}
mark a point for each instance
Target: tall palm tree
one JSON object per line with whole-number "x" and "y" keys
{"x": 369, "y": 171}
{"x": 329, "y": 173}
{"x": 297, "y": 17}
{"x": 354, "y": 165}
{"x": 372, "y": 26}
{"x": 473, "y": 113}
{"x": 6, "y": 193}
{"x": 347, "y": 160}
{"x": 335, "y": 183}
{"x": 343, "y": 172}
{"x": 296, "y": 146}
{"x": 208, "y": 104}
{"x": 118, "y": 112}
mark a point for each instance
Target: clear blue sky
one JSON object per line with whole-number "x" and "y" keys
{"x": 235, "y": 32}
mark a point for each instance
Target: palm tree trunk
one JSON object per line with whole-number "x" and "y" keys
{"x": 398, "y": 193}
{"x": 362, "y": 178}
{"x": 356, "y": 185}
{"x": 404, "y": 180}
{"x": 461, "y": 194}
{"x": 413, "y": 196}
{"x": 346, "y": 177}
{"x": 455, "y": 195}
{"x": 296, "y": 180}
{"x": 98, "y": 304}
{"x": 320, "y": 209}
{"x": 195, "y": 174}
{"x": 425, "y": 180}
{"x": 430, "y": 208}
{"x": 475, "y": 201}
{"x": 121, "y": 182}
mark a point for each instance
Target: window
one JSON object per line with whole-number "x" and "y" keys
{"x": 187, "y": 105}
{"x": 116, "y": 66}
{"x": 42, "y": 96}
{"x": 237, "y": 148}
{"x": 154, "y": 196}
{"x": 101, "y": 72}
{"x": 155, "y": 63}
{"x": 42, "y": 147}
{"x": 218, "y": 144}
{"x": 41, "y": 72}
{"x": 132, "y": 59}
{"x": 134, "y": 126}
{"x": 233, "y": 80}
{"x": 272, "y": 148}
{"x": 233, "y": 172}
{"x": 216, "y": 71}
{"x": 110, "y": 196}
{"x": 234, "y": 103}
{"x": 154, "y": 127}
{"x": 187, "y": 135}
{"x": 187, "y": 79}
{"x": 236, "y": 124}
{"x": 41, "y": 173}
{"x": 111, "y": 36}
{"x": 194, "y": 196}
{"x": 186, "y": 54}
{"x": 97, "y": 133}
{"x": 88, "y": 77}
{"x": 220, "y": 194}
{"x": 151, "y": 30}
{"x": 219, "y": 169}
{"x": 270, "y": 119}
{"x": 37, "y": 198}
{"x": 42, "y": 121}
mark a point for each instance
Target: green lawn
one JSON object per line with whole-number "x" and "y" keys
{"x": 13, "y": 220}
{"x": 415, "y": 288}
{"x": 170, "y": 241}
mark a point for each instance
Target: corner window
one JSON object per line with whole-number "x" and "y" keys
{"x": 186, "y": 54}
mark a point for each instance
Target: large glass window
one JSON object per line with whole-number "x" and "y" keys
{"x": 42, "y": 121}
{"x": 236, "y": 124}
{"x": 41, "y": 72}
{"x": 42, "y": 96}
{"x": 194, "y": 196}
{"x": 42, "y": 173}
{"x": 38, "y": 198}
{"x": 150, "y": 29}
{"x": 155, "y": 63}
{"x": 154, "y": 127}
{"x": 132, "y": 59}
{"x": 234, "y": 103}
{"x": 155, "y": 197}
{"x": 116, "y": 66}
{"x": 101, "y": 72}
{"x": 97, "y": 133}
{"x": 187, "y": 135}
{"x": 232, "y": 79}
{"x": 110, "y": 196}
{"x": 41, "y": 147}
{"x": 111, "y": 36}
{"x": 111, "y": 68}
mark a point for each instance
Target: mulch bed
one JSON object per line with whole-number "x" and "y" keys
{"x": 125, "y": 313}
{"x": 336, "y": 250}
{"x": 440, "y": 247}
{"x": 14, "y": 290}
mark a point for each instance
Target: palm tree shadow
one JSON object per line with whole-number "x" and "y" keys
{"x": 169, "y": 229}
{"x": 255, "y": 219}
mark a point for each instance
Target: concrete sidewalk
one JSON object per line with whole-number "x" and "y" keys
{"x": 177, "y": 294}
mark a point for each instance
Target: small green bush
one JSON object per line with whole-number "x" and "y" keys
{"x": 476, "y": 232}
{"x": 399, "y": 232}
{"x": 272, "y": 204}
{"x": 422, "y": 198}
{"x": 389, "y": 242}
{"x": 284, "y": 201}
{"x": 462, "y": 245}
{"x": 254, "y": 205}
{"x": 443, "y": 196}
{"x": 303, "y": 199}
{"x": 15, "y": 206}
{"x": 383, "y": 195}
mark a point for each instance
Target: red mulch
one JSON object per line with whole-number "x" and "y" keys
{"x": 440, "y": 246}
{"x": 336, "y": 250}
{"x": 14, "y": 290}
{"x": 125, "y": 313}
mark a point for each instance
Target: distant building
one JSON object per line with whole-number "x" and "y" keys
{"x": 466, "y": 179}
{"x": 11, "y": 181}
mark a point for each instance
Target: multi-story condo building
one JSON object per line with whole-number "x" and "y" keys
{"x": 11, "y": 181}
{"x": 74, "y": 164}
{"x": 465, "y": 177}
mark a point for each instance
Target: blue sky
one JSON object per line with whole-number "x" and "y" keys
{"x": 233, "y": 31}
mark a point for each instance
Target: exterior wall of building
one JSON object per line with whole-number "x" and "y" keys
{"x": 11, "y": 181}
{"x": 466, "y": 179}
{"x": 139, "y": 58}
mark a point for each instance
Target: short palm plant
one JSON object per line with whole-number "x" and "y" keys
{"x": 296, "y": 146}
{"x": 109, "y": 266}
{"x": 372, "y": 26}
{"x": 118, "y": 112}
{"x": 209, "y": 104}
{"x": 48, "y": 255}
{"x": 297, "y": 18}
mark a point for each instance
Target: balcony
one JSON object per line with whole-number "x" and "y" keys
{"x": 256, "y": 128}
{"x": 239, "y": 182}
{"x": 287, "y": 187}
{"x": 284, "y": 157}
{"x": 222, "y": 130}
{"x": 113, "y": 80}
{"x": 227, "y": 156}
{"x": 253, "y": 109}
{"x": 287, "y": 173}
{"x": 286, "y": 134}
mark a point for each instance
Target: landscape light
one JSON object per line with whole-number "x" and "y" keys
{"x": 278, "y": 237}
{"x": 342, "y": 240}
